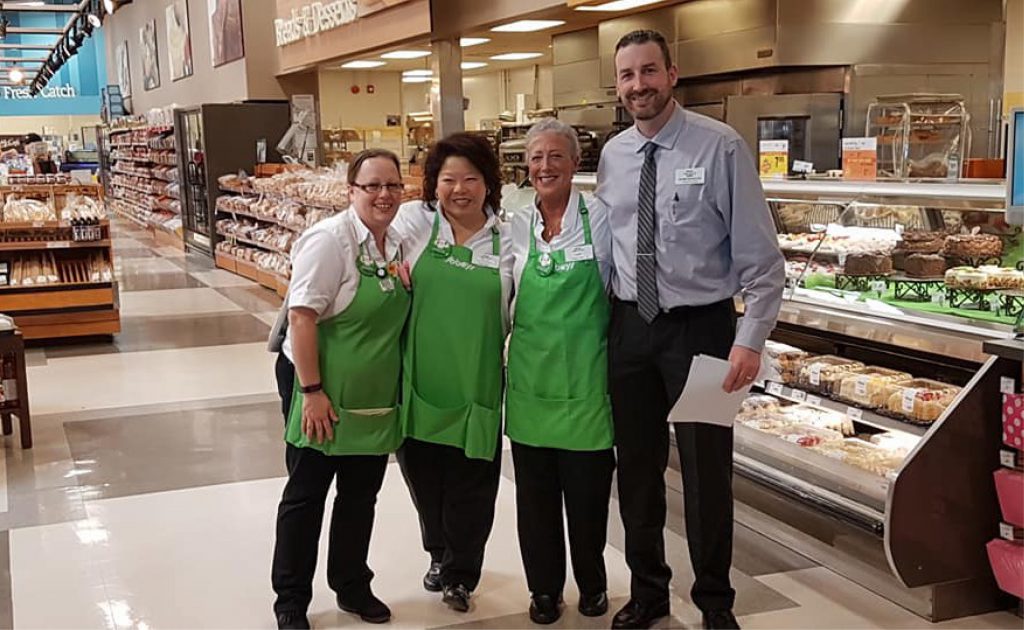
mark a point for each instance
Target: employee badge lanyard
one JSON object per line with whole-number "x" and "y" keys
{"x": 385, "y": 272}
{"x": 545, "y": 263}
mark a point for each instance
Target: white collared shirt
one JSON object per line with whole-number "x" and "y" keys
{"x": 415, "y": 221}
{"x": 325, "y": 276}
{"x": 572, "y": 235}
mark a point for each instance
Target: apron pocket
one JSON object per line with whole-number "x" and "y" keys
{"x": 471, "y": 427}
{"x": 366, "y": 431}
{"x": 579, "y": 424}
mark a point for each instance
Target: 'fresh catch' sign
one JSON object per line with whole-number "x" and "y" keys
{"x": 315, "y": 18}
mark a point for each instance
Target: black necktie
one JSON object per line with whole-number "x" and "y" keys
{"x": 646, "y": 263}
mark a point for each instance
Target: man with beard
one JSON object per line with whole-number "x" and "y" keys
{"x": 695, "y": 233}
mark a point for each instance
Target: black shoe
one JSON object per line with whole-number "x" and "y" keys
{"x": 457, "y": 597}
{"x": 720, "y": 620}
{"x": 292, "y": 621}
{"x": 638, "y": 614}
{"x": 432, "y": 579}
{"x": 368, "y": 607}
{"x": 545, "y": 609}
{"x": 594, "y": 605}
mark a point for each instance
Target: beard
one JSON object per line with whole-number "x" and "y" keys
{"x": 656, "y": 104}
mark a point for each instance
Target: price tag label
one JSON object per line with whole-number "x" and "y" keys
{"x": 860, "y": 386}
{"x": 773, "y": 158}
{"x": 855, "y": 413}
{"x": 58, "y": 244}
{"x": 860, "y": 158}
{"x": 878, "y": 286}
{"x": 939, "y": 298}
{"x": 799, "y": 395}
{"x": 1007, "y": 385}
{"x": 1006, "y": 531}
{"x": 1007, "y": 458}
{"x": 993, "y": 305}
{"x": 907, "y": 400}
{"x": 815, "y": 374}
{"x": 774, "y": 389}
{"x": 38, "y": 224}
{"x": 814, "y": 400}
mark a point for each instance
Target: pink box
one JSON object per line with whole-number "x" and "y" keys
{"x": 1007, "y": 560}
{"x": 1010, "y": 487}
{"x": 1013, "y": 420}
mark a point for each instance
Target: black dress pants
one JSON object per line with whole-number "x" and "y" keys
{"x": 649, "y": 367}
{"x": 301, "y": 512}
{"x": 454, "y": 496}
{"x": 544, "y": 478}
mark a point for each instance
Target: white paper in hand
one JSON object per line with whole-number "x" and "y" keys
{"x": 703, "y": 399}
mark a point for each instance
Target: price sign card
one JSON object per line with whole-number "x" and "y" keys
{"x": 860, "y": 159}
{"x": 773, "y": 158}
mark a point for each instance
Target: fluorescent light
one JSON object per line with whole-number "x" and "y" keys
{"x": 473, "y": 65}
{"x": 418, "y": 73}
{"x": 527, "y": 26}
{"x": 516, "y": 56}
{"x": 617, "y": 5}
{"x": 363, "y": 64}
{"x": 110, "y": 6}
{"x": 417, "y": 79}
{"x": 405, "y": 54}
{"x": 16, "y": 76}
{"x": 466, "y": 42}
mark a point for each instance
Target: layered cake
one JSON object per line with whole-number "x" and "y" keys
{"x": 867, "y": 265}
{"x": 870, "y": 386}
{"x": 925, "y": 266}
{"x": 973, "y": 246}
{"x": 1003, "y": 277}
{"x": 923, "y": 242}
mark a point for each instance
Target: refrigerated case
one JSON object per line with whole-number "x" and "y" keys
{"x": 219, "y": 139}
{"x": 910, "y": 522}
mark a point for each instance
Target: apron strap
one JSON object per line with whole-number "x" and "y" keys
{"x": 495, "y": 241}
{"x": 584, "y": 216}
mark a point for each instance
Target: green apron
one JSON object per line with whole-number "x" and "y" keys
{"x": 452, "y": 367}
{"x": 558, "y": 356}
{"x": 360, "y": 360}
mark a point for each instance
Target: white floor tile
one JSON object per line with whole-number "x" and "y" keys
{"x": 268, "y": 317}
{"x": 171, "y": 302}
{"x": 144, "y": 265}
{"x": 158, "y": 377}
{"x": 220, "y": 278}
{"x": 169, "y": 252}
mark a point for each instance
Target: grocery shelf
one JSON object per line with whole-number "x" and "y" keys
{"x": 41, "y": 245}
{"x": 22, "y": 225}
{"x": 865, "y": 416}
{"x": 245, "y": 241}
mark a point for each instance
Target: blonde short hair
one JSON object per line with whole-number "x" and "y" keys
{"x": 553, "y": 125}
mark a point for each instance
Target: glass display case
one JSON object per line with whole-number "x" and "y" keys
{"x": 920, "y": 135}
{"x": 869, "y": 441}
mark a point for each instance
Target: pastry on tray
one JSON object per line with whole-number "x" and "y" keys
{"x": 973, "y": 246}
{"x": 920, "y": 399}
{"x": 869, "y": 386}
{"x": 821, "y": 374}
{"x": 865, "y": 264}
{"x": 924, "y": 266}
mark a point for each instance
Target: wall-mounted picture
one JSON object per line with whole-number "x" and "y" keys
{"x": 179, "y": 40}
{"x": 150, "y": 59}
{"x": 124, "y": 79}
{"x": 226, "y": 43}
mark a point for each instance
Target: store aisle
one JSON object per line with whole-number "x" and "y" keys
{"x": 149, "y": 499}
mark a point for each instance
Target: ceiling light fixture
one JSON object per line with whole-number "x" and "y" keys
{"x": 363, "y": 64}
{"x": 405, "y": 54}
{"x": 417, "y": 79}
{"x": 466, "y": 42}
{"x": 473, "y": 65}
{"x": 110, "y": 6}
{"x": 16, "y": 76}
{"x": 617, "y": 5}
{"x": 527, "y": 26}
{"x": 517, "y": 56}
{"x": 418, "y": 73}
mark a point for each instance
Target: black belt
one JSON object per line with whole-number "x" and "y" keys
{"x": 679, "y": 311}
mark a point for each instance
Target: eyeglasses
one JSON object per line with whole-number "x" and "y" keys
{"x": 374, "y": 189}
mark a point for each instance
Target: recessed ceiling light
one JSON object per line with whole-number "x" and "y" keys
{"x": 405, "y": 54}
{"x": 16, "y": 76}
{"x": 527, "y": 26}
{"x": 363, "y": 63}
{"x": 473, "y": 65}
{"x": 418, "y": 73}
{"x": 617, "y": 5}
{"x": 516, "y": 56}
{"x": 466, "y": 42}
{"x": 417, "y": 79}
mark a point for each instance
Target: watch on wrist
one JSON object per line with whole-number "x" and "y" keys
{"x": 311, "y": 389}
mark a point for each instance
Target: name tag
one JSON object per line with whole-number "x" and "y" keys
{"x": 486, "y": 260}
{"x": 690, "y": 175}
{"x": 580, "y": 252}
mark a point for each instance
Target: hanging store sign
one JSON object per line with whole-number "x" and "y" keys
{"x": 53, "y": 91}
{"x": 314, "y": 18}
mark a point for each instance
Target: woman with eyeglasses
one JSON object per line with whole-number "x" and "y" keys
{"x": 347, "y": 304}
{"x": 452, "y": 369}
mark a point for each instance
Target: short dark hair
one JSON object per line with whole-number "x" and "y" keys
{"x": 480, "y": 154}
{"x": 357, "y": 162}
{"x": 646, "y": 36}
{"x": 32, "y": 137}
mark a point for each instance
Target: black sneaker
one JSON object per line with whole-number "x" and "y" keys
{"x": 545, "y": 609}
{"x": 368, "y": 607}
{"x": 720, "y": 620}
{"x": 594, "y": 605}
{"x": 292, "y": 621}
{"x": 457, "y": 597}
{"x": 432, "y": 579}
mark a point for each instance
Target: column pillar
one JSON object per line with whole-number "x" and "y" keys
{"x": 446, "y": 88}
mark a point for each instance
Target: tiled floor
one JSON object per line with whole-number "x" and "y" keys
{"x": 149, "y": 498}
